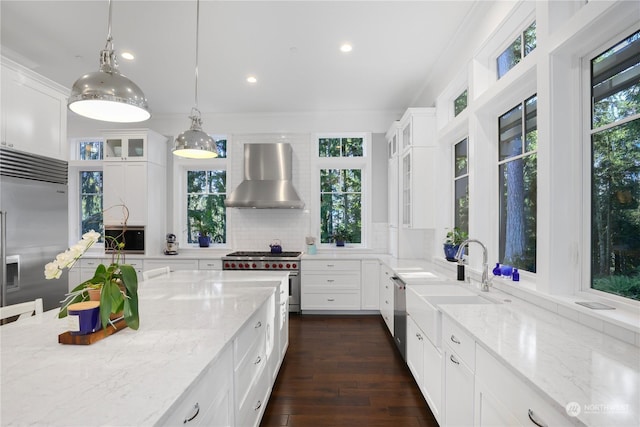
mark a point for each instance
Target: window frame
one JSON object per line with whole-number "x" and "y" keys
{"x": 363, "y": 163}
{"x": 584, "y": 282}
{"x": 455, "y": 179}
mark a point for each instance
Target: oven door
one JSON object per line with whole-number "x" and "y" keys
{"x": 294, "y": 291}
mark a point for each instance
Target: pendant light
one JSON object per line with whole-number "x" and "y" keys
{"x": 106, "y": 94}
{"x": 194, "y": 143}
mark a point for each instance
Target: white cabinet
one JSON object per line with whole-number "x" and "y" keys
{"x": 418, "y": 128}
{"x": 417, "y": 189}
{"x": 210, "y": 399}
{"x": 370, "y": 285}
{"x": 140, "y": 184}
{"x": 330, "y": 285}
{"x": 34, "y": 113}
{"x": 252, "y": 380}
{"x": 502, "y": 398}
{"x": 459, "y": 364}
{"x": 386, "y": 296}
{"x": 134, "y": 145}
{"x": 210, "y": 264}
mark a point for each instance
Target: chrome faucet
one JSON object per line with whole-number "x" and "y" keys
{"x": 484, "y": 285}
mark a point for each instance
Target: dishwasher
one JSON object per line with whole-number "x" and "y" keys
{"x": 400, "y": 315}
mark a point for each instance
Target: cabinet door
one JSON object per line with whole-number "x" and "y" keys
{"x": 34, "y": 116}
{"x": 458, "y": 397}
{"x": 489, "y": 412}
{"x": 415, "y": 352}
{"x": 406, "y": 189}
{"x": 432, "y": 374}
{"x": 392, "y": 191}
{"x": 370, "y": 285}
{"x": 125, "y": 147}
{"x": 125, "y": 182}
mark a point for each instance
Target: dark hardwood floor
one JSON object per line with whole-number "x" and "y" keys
{"x": 344, "y": 371}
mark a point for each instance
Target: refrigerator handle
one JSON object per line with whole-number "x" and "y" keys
{"x": 3, "y": 258}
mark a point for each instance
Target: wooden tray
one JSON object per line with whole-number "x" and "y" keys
{"x": 67, "y": 338}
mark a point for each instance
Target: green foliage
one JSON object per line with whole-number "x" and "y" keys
{"x": 206, "y": 213}
{"x": 625, "y": 286}
{"x": 455, "y": 236}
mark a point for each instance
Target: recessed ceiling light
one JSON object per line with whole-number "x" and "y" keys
{"x": 346, "y": 48}
{"x": 252, "y": 79}
{"x": 127, "y": 55}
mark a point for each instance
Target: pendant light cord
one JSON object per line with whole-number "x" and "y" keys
{"x": 197, "y": 40}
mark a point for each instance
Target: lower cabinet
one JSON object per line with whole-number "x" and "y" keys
{"x": 425, "y": 362}
{"x": 458, "y": 396}
{"x": 370, "y": 284}
{"x": 209, "y": 402}
{"x": 330, "y": 285}
{"x": 386, "y": 296}
{"x": 501, "y": 398}
{"x": 173, "y": 264}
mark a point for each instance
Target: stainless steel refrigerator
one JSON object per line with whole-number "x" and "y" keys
{"x": 33, "y": 226}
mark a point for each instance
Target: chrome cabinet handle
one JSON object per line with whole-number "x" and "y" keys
{"x": 330, "y": 280}
{"x": 258, "y": 405}
{"x": 533, "y": 418}
{"x": 454, "y": 339}
{"x": 196, "y": 408}
{"x": 258, "y": 325}
{"x": 330, "y": 299}
{"x": 419, "y": 336}
{"x": 453, "y": 359}
{"x": 258, "y": 360}
{"x": 329, "y": 265}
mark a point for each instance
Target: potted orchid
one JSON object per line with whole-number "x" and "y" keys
{"x": 117, "y": 283}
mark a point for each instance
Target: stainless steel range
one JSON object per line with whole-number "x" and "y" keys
{"x": 283, "y": 261}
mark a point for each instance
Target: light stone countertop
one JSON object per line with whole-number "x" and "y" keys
{"x": 132, "y": 377}
{"x": 561, "y": 359}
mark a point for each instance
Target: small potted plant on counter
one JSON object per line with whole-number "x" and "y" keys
{"x": 453, "y": 239}
{"x": 340, "y": 234}
{"x": 203, "y": 224}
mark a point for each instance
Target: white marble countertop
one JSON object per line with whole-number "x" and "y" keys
{"x": 132, "y": 377}
{"x": 561, "y": 359}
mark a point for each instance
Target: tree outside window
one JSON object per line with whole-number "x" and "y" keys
{"x": 523, "y": 45}
{"x": 206, "y": 213}
{"x": 461, "y": 187}
{"x": 615, "y": 169}
{"x": 518, "y": 185}
{"x": 91, "y": 202}
{"x": 460, "y": 103}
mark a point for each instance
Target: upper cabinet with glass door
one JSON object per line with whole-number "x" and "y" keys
{"x": 392, "y": 139}
{"x": 417, "y": 128}
{"x": 134, "y": 145}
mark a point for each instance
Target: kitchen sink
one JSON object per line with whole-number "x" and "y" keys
{"x": 423, "y": 302}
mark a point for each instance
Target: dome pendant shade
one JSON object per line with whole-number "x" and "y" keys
{"x": 194, "y": 143}
{"x": 106, "y": 94}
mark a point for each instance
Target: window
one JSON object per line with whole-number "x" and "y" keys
{"x": 517, "y": 163}
{"x": 460, "y": 103}
{"x": 461, "y": 186}
{"x": 341, "y": 188}
{"x": 205, "y": 195}
{"x": 90, "y": 150}
{"x": 615, "y": 169}
{"x": 523, "y": 45}
{"x": 91, "y": 202}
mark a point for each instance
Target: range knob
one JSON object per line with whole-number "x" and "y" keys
{"x": 226, "y": 265}
{"x": 266, "y": 265}
{"x": 240, "y": 265}
{"x": 246, "y": 265}
{"x": 233, "y": 265}
{"x": 294, "y": 265}
{"x": 254, "y": 265}
{"x": 288, "y": 265}
{"x": 279, "y": 265}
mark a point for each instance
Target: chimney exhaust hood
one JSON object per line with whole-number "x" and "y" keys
{"x": 267, "y": 179}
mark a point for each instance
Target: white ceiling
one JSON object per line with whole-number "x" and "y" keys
{"x": 292, "y": 47}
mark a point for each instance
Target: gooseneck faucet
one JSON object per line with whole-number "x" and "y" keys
{"x": 484, "y": 286}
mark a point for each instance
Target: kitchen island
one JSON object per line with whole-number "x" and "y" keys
{"x": 190, "y": 322}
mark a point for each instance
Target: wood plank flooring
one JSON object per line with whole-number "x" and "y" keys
{"x": 344, "y": 371}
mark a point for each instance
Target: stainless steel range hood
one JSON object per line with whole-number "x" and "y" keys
{"x": 267, "y": 179}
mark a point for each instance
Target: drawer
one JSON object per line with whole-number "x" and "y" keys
{"x": 426, "y": 316}
{"x": 331, "y": 281}
{"x": 459, "y": 341}
{"x": 254, "y": 330}
{"x": 174, "y": 264}
{"x": 513, "y": 393}
{"x": 331, "y": 301}
{"x": 212, "y": 385}
{"x": 249, "y": 370}
{"x": 325, "y": 265}
{"x": 92, "y": 262}
{"x": 250, "y": 411}
{"x": 210, "y": 264}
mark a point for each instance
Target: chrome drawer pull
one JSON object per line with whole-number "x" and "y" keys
{"x": 196, "y": 408}
{"x": 258, "y": 325}
{"x": 454, "y": 339}
{"x": 330, "y": 280}
{"x": 329, "y": 265}
{"x": 532, "y": 417}
{"x": 258, "y": 360}
{"x": 258, "y": 406}
{"x": 453, "y": 359}
{"x": 330, "y": 299}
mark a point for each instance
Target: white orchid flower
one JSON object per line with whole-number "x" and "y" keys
{"x": 92, "y": 236}
{"x": 52, "y": 271}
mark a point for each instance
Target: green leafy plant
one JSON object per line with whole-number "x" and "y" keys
{"x": 455, "y": 236}
{"x": 203, "y": 222}
{"x": 341, "y": 233}
{"x": 117, "y": 282}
